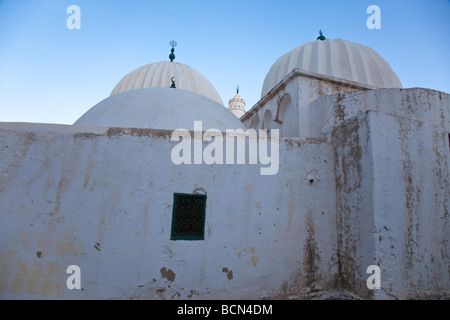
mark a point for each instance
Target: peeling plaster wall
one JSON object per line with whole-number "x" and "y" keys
{"x": 420, "y": 104}
{"x": 354, "y": 203}
{"x": 102, "y": 199}
{"x": 392, "y": 159}
{"x": 411, "y": 206}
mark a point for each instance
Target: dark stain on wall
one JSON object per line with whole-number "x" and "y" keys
{"x": 168, "y": 274}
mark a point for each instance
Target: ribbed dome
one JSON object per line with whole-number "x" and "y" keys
{"x": 337, "y": 58}
{"x": 159, "y": 74}
{"x": 159, "y": 108}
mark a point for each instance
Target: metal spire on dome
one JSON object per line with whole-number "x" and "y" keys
{"x": 237, "y": 89}
{"x": 173, "y": 83}
{"x": 321, "y": 37}
{"x": 173, "y": 43}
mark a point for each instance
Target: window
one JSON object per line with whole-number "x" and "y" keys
{"x": 188, "y": 217}
{"x": 285, "y": 116}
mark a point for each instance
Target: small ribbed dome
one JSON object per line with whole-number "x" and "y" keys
{"x": 159, "y": 108}
{"x": 159, "y": 74}
{"x": 336, "y": 58}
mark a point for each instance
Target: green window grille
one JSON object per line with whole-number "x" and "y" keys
{"x": 188, "y": 217}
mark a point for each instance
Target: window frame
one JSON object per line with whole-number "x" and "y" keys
{"x": 176, "y": 216}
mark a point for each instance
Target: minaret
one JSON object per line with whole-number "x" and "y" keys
{"x": 237, "y": 104}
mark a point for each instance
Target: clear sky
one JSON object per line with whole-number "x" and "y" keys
{"x": 50, "y": 74}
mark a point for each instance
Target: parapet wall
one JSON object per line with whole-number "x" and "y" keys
{"x": 101, "y": 198}
{"x": 392, "y": 164}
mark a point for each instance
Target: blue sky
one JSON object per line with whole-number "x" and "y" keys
{"x": 50, "y": 74}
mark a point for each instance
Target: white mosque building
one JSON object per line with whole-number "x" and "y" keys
{"x": 362, "y": 179}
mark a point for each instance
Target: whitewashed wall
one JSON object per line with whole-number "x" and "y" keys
{"x": 373, "y": 190}
{"x": 392, "y": 188}
{"x": 102, "y": 199}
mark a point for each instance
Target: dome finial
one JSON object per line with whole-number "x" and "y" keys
{"x": 237, "y": 89}
{"x": 173, "y": 83}
{"x": 321, "y": 36}
{"x": 172, "y": 55}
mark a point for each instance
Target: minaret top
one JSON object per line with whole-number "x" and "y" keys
{"x": 237, "y": 104}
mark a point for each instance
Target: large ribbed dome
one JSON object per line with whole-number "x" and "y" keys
{"x": 336, "y": 58}
{"x": 159, "y": 74}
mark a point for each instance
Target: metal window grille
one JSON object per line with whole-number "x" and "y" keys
{"x": 188, "y": 217}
